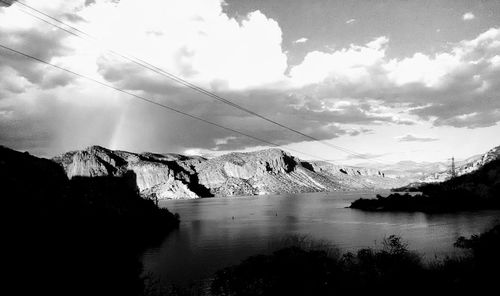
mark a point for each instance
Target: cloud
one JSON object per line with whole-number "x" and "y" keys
{"x": 350, "y": 21}
{"x": 301, "y": 40}
{"x": 196, "y": 40}
{"x": 193, "y": 39}
{"x": 468, "y": 16}
{"x": 224, "y": 141}
{"x": 412, "y": 138}
{"x": 6, "y": 3}
{"x": 343, "y": 92}
{"x": 457, "y": 87}
{"x": 348, "y": 65}
{"x": 364, "y": 156}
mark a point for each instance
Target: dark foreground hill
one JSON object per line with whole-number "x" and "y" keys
{"x": 479, "y": 189}
{"x": 73, "y": 237}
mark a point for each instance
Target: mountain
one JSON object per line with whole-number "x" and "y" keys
{"x": 162, "y": 175}
{"x": 466, "y": 166}
{"x": 79, "y": 236}
{"x": 174, "y": 176}
{"x": 469, "y": 165}
{"x": 415, "y": 173}
{"x": 474, "y": 190}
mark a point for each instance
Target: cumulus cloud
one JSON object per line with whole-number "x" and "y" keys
{"x": 348, "y": 65}
{"x": 468, "y": 16}
{"x": 412, "y": 138}
{"x": 196, "y": 40}
{"x": 301, "y": 40}
{"x": 457, "y": 87}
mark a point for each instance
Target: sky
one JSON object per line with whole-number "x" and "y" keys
{"x": 389, "y": 80}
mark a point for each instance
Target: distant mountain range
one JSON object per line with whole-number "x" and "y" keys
{"x": 271, "y": 171}
{"x": 466, "y": 166}
{"x": 174, "y": 176}
{"x": 476, "y": 186}
{"x": 432, "y": 172}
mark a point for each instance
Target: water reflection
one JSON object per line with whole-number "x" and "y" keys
{"x": 215, "y": 233}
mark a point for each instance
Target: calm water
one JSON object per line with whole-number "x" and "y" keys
{"x": 209, "y": 238}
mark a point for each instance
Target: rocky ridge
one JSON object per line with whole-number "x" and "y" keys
{"x": 174, "y": 176}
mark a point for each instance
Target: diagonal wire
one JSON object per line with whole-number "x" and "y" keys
{"x": 181, "y": 81}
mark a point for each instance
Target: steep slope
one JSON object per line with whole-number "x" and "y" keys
{"x": 174, "y": 176}
{"x": 158, "y": 175}
{"x": 275, "y": 171}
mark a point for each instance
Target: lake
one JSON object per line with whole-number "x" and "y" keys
{"x": 218, "y": 232}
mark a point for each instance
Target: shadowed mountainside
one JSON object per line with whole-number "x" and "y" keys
{"x": 74, "y": 237}
{"x": 176, "y": 176}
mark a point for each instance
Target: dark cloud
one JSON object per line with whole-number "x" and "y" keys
{"x": 304, "y": 115}
{"x": 48, "y": 125}
{"x": 6, "y": 3}
{"x": 37, "y": 43}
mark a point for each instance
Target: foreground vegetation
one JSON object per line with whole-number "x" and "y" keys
{"x": 309, "y": 269}
{"x": 74, "y": 237}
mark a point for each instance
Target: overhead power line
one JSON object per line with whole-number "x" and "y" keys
{"x": 140, "y": 62}
{"x": 150, "y": 101}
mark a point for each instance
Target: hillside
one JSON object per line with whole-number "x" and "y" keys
{"x": 79, "y": 236}
{"x": 469, "y": 165}
{"x": 478, "y": 189}
{"x": 161, "y": 175}
{"x": 174, "y": 176}
{"x": 463, "y": 167}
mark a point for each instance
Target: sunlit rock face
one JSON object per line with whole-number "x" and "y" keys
{"x": 157, "y": 176}
{"x": 174, "y": 176}
{"x": 275, "y": 171}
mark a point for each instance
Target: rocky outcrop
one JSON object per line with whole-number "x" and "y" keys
{"x": 275, "y": 171}
{"x": 174, "y": 176}
{"x": 158, "y": 175}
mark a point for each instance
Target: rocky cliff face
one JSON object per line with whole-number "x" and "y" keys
{"x": 173, "y": 176}
{"x": 158, "y": 175}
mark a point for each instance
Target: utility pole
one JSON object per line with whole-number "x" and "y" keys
{"x": 453, "y": 173}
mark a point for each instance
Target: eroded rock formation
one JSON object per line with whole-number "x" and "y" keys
{"x": 173, "y": 176}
